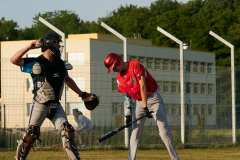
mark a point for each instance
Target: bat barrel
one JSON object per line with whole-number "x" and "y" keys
{"x": 106, "y": 136}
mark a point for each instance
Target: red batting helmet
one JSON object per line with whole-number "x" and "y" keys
{"x": 111, "y": 60}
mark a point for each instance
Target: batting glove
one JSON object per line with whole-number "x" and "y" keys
{"x": 148, "y": 114}
{"x": 128, "y": 120}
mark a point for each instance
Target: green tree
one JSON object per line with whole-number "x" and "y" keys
{"x": 8, "y": 30}
{"x": 66, "y": 21}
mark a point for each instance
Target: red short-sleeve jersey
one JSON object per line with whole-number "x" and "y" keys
{"x": 129, "y": 81}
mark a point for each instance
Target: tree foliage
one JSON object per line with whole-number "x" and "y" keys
{"x": 189, "y": 22}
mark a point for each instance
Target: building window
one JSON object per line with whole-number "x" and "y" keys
{"x": 174, "y": 109}
{"x": 79, "y": 105}
{"x": 196, "y": 86}
{"x": 202, "y": 67}
{"x": 150, "y": 63}
{"x": 76, "y": 58}
{"x": 157, "y": 63}
{"x": 114, "y": 84}
{"x": 167, "y": 109}
{"x": 133, "y": 58}
{"x": 159, "y": 83}
{"x": 116, "y": 107}
{"x": 195, "y": 69}
{"x": 210, "y": 89}
{"x": 29, "y": 108}
{"x": 174, "y": 87}
{"x": 196, "y": 110}
{"x": 165, "y": 64}
{"x": 29, "y": 84}
{"x": 142, "y": 60}
{"x": 188, "y": 109}
{"x": 203, "y": 88}
{"x": 174, "y": 65}
{"x": 188, "y": 66}
{"x": 209, "y": 67}
{"x": 80, "y": 82}
{"x": 203, "y": 110}
{"x": 188, "y": 87}
{"x": 166, "y": 87}
{"x": 210, "y": 109}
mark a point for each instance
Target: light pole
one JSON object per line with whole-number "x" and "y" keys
{"x": 124, "y": 39}
{"x": 232, "y": 85}
{"x": 181, "y": 81}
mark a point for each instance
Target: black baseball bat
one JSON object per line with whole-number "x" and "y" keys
{"x": 115, "y": 131}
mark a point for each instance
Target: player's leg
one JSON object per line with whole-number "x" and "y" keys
{"x": 37, "y": 116}
{"x": 156, "y": 104}
{"x": 137, "y": 130}
{"x": 79, "y": 136}
{"x": 88, "y": 137}
{"x": 88, "y": 133}
{"x": 67, "y": 131}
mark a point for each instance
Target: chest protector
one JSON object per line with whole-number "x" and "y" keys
{"x": 51, "y": 91}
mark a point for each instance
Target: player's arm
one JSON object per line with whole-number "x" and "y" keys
{"x": 143, "y": 90}
{"x": 17, "y": 57}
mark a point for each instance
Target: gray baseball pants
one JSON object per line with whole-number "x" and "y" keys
{"x": 39, "y": 114}
{"x": 154, "y": 103}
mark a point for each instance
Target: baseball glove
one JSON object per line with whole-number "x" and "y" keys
{"x": 91, "y": 101}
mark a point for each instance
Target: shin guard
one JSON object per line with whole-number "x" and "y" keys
{"x": 69, "y": 141}
{"x": 24, "y": 144}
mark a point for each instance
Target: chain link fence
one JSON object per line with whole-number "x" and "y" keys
{"x": 208, "y": 108}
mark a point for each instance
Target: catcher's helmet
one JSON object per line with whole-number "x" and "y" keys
{"x": 111, "y": 60}
{"x": 47, "y": 43}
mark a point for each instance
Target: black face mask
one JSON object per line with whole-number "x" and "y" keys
{"x": 56, "y": 52}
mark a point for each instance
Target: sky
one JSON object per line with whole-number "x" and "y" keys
{"x": 23, "y": 11}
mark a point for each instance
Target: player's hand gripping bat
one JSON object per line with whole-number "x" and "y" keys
{"x": 115, "y": 131}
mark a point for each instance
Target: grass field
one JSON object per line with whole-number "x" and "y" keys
{"x": 231, "y": 153}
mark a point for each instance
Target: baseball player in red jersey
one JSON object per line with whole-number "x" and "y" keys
{"x": 135, "y": 81}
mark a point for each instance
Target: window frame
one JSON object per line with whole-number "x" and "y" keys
{"x": 195, "y": 67}
{"x": 202, "y": 67}
{"x": 166, "y": 87}
{"x": 150, "y": 63}
{"x": 79, "y": 105}
{"x": 174, "y": 65}
{"x": 165, "y": 64}
{"x": 188, "y": 87}
{"x": 158, "y": 67}
{"x": 210, "y": 89}
{"x": 188, "y": 68}
{"x": 203, "y": 87}
{"x": 174, "y": 86}
{"x": 196, "y": 88}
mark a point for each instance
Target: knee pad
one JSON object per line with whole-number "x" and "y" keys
{"x": 70, "y": 146}
{"x": 67, "y": 130}
{"x": 24, "y": 145}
